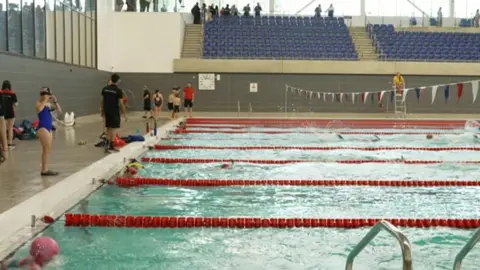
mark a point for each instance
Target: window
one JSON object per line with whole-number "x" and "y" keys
{"x": 28, "y": 28}
{"x": 466, "y": 9}
{"x": 83, "y": 39}
{"x": 40, "y": 34}
{"x": 76, "y": 37}
{"x": 59, "y": 32}
{"x": 14, "y": 26}
{"x": 3, "y": 25}
{"x": 342, "y": 7}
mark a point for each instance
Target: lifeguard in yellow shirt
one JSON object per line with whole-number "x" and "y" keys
{"x": 399, "y": 83}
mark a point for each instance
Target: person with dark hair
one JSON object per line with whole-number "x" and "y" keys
{"x": 111, "y": 104}
{"x": 44, "y": 129}
{"x": 3, "y": 130}
{"x": 158, "y": 102}
{"x": 10, "y": 102}
{"x": 147, "y": 102}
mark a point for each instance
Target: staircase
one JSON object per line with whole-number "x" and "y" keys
{"x": 400, "y": 108}
{"x": 192, "y": 41}
{"x": 363, "y": 44}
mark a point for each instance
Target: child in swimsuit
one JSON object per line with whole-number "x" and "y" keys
{"x": 158, "y": 102}
{"x": 171, "y": 98}
{"x": 176, "y": 106}
{"x": 42, "y": 251}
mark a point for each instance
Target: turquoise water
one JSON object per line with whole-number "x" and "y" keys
{"x": 318, "y": 248}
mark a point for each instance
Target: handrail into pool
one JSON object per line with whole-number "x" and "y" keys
{"x": 457, "y": 265}
{"x": 238, "y": 108}
{"x": 392, "y": 230}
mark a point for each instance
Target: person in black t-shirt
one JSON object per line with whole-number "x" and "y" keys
{"x": 10, "y": 103}
{"x": 3, "y": 130}
{"x": 111, "y": 104}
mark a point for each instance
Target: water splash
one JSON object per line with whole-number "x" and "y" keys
{"x": 472, "y": 126}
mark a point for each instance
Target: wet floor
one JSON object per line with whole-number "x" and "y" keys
{"x": 20, "y": 174}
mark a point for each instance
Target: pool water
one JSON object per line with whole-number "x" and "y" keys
{"x": 271, "y": 249}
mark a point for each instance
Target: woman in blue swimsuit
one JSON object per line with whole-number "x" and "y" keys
{"x": 44, "y": 129}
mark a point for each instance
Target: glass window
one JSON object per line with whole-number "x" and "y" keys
{"x": 94, "y": 44}
{"x": 39, "y": 21}
{"x": 80, "y": 5}
{"x": 59, "y": 32}
{"x": 28, "y": 33}
{"x": 88, "y": 44}
{"x": 88, "y": 8}
{"x": 431, "y": 6}
{"x": 466, "y": 8}
{"x": 83, "y": 39}
{"x": 50, "y": 29}
{"x": 14, "y": 26}
{"x": 67, "y": 27}
{"x": 342, "y": 7}
{"x": 76, "y": 38}
{"x": 3, "y": 25}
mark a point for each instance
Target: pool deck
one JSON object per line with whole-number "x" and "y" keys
{"x": 19, "y": 176}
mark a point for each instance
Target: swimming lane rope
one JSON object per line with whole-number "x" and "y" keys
{"x": 142, "y": 181}
{"x": 320, "y": 148}
{"x": 267, "y": 161}
{"x": 130, "y": 221}
{"x": 186, "y": 131}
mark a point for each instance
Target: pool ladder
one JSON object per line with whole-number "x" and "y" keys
{"x": 457, "y": 264}
{"x": 392, "y": 230}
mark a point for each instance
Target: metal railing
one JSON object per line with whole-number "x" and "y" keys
{"x": 457, "y": 264}
{"x": 392, "y": 230}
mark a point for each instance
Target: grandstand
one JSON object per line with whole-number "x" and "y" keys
{"x": 278, "y": 37}
{"x": 424, "y": 46}
{"x": 314, "y": 38}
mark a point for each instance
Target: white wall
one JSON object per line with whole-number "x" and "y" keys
{"x": 139, "y": 42}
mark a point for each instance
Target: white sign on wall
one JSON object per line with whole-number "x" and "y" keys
{"x": 206, "y": 81}
{"x": 253, "y": 87}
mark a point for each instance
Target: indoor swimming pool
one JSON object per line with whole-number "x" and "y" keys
{"x": 217, "y": 156}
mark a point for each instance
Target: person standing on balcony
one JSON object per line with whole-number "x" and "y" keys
{"x": 439, "y": 17}
{"x": 196, "y": 14}
{"x": 226, "y": 10}
{"x": 246, "y": 10}
{"x": 118, "y": 5}
{"x": 330, "y": 11}
{"x": 234, "y": 10}
{"x": 476, "y": 19}
{"x": 398, "y": 84}
{"x": 257, "y": 10}
{"x": 318, "y": 11}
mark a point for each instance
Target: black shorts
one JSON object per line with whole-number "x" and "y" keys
{"x": 9, "y": 114}
{"x": 147, "y": 107}
{"x": 112, "y": 120}
{"x": 170, "y": 106}
{"x": 188, "y": 103}
{"x": 176, "y": 108}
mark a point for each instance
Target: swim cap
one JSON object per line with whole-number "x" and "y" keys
{"x": 429, "y": 136}
{"x": 43, "y": 249}
{"x": 132, "y": 170}
{"x": 136, "y": 165}
{"x": 225, "y": 166}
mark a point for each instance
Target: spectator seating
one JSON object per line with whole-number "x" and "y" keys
{"x": 278, "y": 37}
{"x": 424, "y": 46}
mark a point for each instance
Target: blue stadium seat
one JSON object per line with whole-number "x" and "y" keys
{"x": 425, "y": 46}
{"x": 278, "y": 37}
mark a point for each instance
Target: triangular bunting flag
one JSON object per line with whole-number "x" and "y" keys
{"x": 417, "y": 93}
{"x": 324, "y": 96}
{"x": 362, "y": 97}
{"x": 459, "y": 91}
{"x": 353, "y": 97}
{"x": 434, "y": 92}
{"x": 333, "y": 97}
{"x": 341, "y": 97}
{"x": 447, "y": 92}
{"x": 474, "y": 90}
{"x": 405, "y": 92}
{"x": 380, "y": 96}
{"x": 365, "y": 96}
{"x": 310, "y": 95}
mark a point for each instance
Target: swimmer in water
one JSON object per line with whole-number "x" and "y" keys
{"x": 130, "y": 172}
{"x": 227, "y": 165}
{"x": 42, "y": 251}
{"x": 375, "y": 139}
{"x": 133, "y": 163}
{"x": 429, "y": 136}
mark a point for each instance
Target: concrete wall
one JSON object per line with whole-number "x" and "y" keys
{"x": 234, "y": 88}
{"x": 78, "y": 89}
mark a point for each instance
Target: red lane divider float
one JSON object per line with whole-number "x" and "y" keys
{"x": 265, "y": 161}
{"x": 357, "y": 123}
{"x": 184, "y": 131}
{"x": 92, "y": 220}
{"x": 141, "y": 181}
{"x": 320, "y": 148}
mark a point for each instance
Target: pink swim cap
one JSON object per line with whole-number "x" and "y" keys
{"x": 43, "y": 249}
